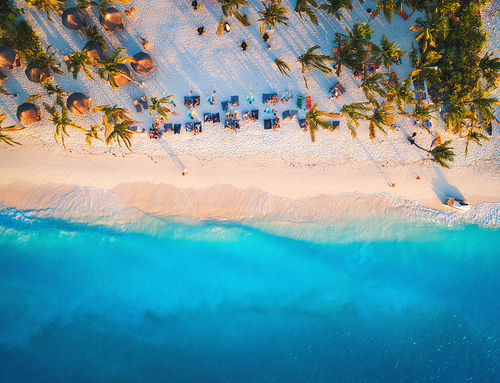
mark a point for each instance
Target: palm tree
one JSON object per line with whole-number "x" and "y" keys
{"x": 422, "y": 112}
{"x": 482, "y": 106}
{"x": 5, "y": 138}
{"x": 333, "y": 7}
{"x": 61, "y": 121}
{"x": 105, "y": 4}
{"x": 109, "y": 72}
{"x": 307, "y": 7}
{"x": 417, "y": 5}
{"x": 112, "y": 115}
{"x": 353, "y": 113}
{"x": 282, "y": 67}
{"x": 157, "y": 105}
{"x": 95, "y": 37}
{"x": 85, "y": 4}
{"x": 456, "y": 115}
{"x": 388, "y": 52}
{"x": 3, "y": 90}
{"x": 380, "y": 118}
{"x": 388, "y": 7}
{"x": 80, "y": 61}
{"x": 121, "y": 133}
{"x": 92, "y": 134}
{"x": 474, "y": 136}
{"x": 314, "y": 117}
{"x": 489, "y": 67}
{"x": 356, "y": 39}
{"x": 399, "y": 93}
{"x": 45, "y": 59}
{"x": 231, "y": 8}
{"x": 313, "y": 60}
{"x": 272, "y": 14}
{"x": 371, "y": 87}
{"x": 441, "y": 154}
{"x": 50, "y": 90}
{"x": 47, "y": 6}
{"x": 430, "y": 30}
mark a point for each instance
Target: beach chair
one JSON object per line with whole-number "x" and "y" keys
{"x": 286, "y": 115}
{"x": 228, "y": 124}
{"x": 404, "y": 15}
{"x": 254, "y": 115}
{"x": 276, "y": 123}
{"x": 246, "y": 117}
{"x": 489, "y": 129}
{"x": 334, "y": 126}
{"x": 17, "y": 62}
{"x": 336, "y": 52}
{"x": 196, "y": 101}
{"x": 135, "y": 129}
{"x": 67, "y": 61}
{"x": 294, "y": 115}
{"x": 303, "y": 124}
{"x": 266, "y": 98}
{"x": 215, "y": 117}
{"x": 299, "y": 102}
{"x": 197, "y": 128}
{"x": 308, "y": 102}
{"x": 207, "y": 117}
{"x": 274, "y": 98}
{"x": 138, "y": 107}
{"x": 340, "y": 87}
{"x": 188, "y": 101}
{"x": 144, "y": 103}
{"x": 235, "y": 101}
{"x": 189, "y": 126}
{"x": 334, "y": 92}
{"x": 236, "y": 125}
{"x": 177, "y": 128}
{"x": 168, "y": 129}
{"x": 225, "y": 105}
{"x": 267, "y": 124}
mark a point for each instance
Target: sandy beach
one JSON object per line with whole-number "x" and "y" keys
{"x": 283, "y": 163}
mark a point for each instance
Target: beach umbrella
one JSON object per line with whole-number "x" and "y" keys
{"x": 36, "y": 73}
{"x": 7, "y": 57}
{"x": 73, "y": 19}
{"x": 143, "y": 63}
{"x": 112, "y": 19}
{"x": 122, "y": 80}
{"x": 28, "y": 113}
{"x": 78, "y": 103}
{"x": 94, "y": 50}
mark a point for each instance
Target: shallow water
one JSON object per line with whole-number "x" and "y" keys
{"x": 385, "y": 298}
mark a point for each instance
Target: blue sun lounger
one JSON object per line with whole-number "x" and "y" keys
{"x": 215, "y": 117}
{"x": 335, "y": 125}
{"x": 168, "y": 129}
{"x": 177, "y": 128}
{"x": 268, "y": 124}
{"x": 303, "y": 124}
{"x": 225, "y": 105}
{"x": 207, "y": 117}
{"x": 189, "y": 126}
{"x": 254, "y": 115}
{"x": 235, "y": 101}
{"x": 271, "y": 98}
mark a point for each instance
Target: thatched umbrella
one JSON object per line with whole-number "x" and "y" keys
{"x": 122, "y": 80}
{"x": 28, "y": 113}
{"x": 7, "y": 57}
{"x": 94, "y": 50}
{"x": 36, "y": 73}
{"x": 143, "y": 63}
{"x": 73, "y": 19}
{"x": 78, "y": 103}
{"x": 112, "y": 19}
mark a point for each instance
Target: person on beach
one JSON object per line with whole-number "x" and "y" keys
{"x": 227, "y": 27}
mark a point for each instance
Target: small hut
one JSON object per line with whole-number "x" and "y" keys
{"x": 36, "y": 73}
{"x": 28, "y": 113}
{"x": 95, "y": 51}
{"x": 122, "y": 80}
{"x": 73, "y": 19}
{"x": 112, "y": 19}
{"x": 78, "y": 103}
{"x": 7, "y": 57}
{"x": 143, "y": 63}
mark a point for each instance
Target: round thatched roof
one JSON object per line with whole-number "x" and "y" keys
{"x": 78, "y": 103}
{"x": 112, "y": 19}
{"x": 121, "y": 80}
{"x": 28, "y": 113}
{"x": 36, "y": 73}
{"x": 7, "y": 56}
{"x": 73, "y": 19}
{"x": 94, "y": 50}
{"x": 144, "y": 63}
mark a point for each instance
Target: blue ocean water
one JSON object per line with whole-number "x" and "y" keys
{"x": 230, "y": 302}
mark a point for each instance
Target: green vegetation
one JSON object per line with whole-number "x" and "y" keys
{"x": 272, "y": 14}
{"x": 311, "y": 60}
{"x": 48, "y": 6}
{"x": 282, "y": 67}
{"x": 5, "y": 138}
{"x": 307, "y": 7}
{"x": 315, "y": 119}
{"x": 159, "y": 105}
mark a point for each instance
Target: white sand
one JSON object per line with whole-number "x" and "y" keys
{"x": 283, "y": 163}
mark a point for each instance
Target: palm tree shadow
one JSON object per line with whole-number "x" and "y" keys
{"x": 174, "y": 158}
{"x": 442, "y": 188}
{"x": 386, "y": 177}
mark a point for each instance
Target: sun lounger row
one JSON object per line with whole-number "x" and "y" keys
{"x": 141, "y": 104}
{"x": 269, "y": 98}
{"x": 193, "y": 127}
{"x": 290, "y": 115}
{"x": 232, "y": 124}
{"x": 273, "y": 124}
{"x": 211, "y": 117}
{"x": 251, "y": 116}
{"x": 191, "y": 101}
{"x": 235, "y": 101}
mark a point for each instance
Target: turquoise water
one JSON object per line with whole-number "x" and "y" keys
{"x": 226, "y": 302}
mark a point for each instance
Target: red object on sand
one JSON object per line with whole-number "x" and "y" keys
{"x": 404, "y": 15}
{"x": 308, "y": 102}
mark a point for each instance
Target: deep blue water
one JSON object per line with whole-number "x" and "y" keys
{"x": 221, "y": 302}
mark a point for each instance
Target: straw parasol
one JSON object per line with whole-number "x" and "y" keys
{"x": 73, "y": 19}
{"x": 36, "y": 73}
{"x": 94, "y": 50}
{"x": 112, "y": 19}
{"x": 122, "y": 80}
{"x": 7, "y": 57}
{"x": 143, "y": 63}
{"x": 28, "y": 113}
{"x": 78, "y": 103}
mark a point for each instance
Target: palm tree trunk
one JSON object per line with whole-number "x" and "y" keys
{"x": 130, "y": 78}
{"x": 9, "y": 94}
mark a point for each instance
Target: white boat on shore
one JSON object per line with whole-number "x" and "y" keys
{"x": 457, "y": 204}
